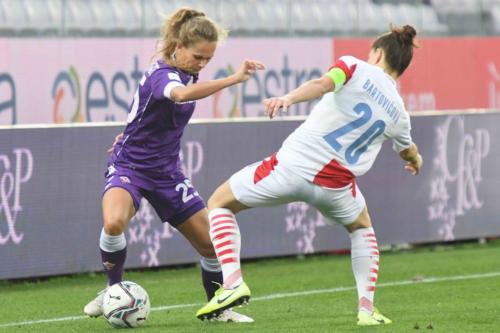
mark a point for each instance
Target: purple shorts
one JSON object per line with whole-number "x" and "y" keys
{"x": 173, "y": 197}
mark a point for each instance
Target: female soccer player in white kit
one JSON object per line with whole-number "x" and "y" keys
{"x": 318, "y": 163}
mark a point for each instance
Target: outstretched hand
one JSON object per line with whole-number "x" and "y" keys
{"x": 274, "y": 104}
{"x": 117, "y": 138}
{"x": 248, "y": 68}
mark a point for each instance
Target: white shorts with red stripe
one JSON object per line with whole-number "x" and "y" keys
{"x": 271, "y": 183}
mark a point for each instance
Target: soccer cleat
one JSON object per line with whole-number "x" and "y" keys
{"x": 224, "y": 299}
{"x": 376, "y": 318}
{"x": 230, "y": 316}
{"x": 94, "y": 308}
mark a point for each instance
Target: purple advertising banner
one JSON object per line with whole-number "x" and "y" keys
{"x": 51, "y": 180}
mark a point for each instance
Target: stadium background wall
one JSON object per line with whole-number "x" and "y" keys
{"x": 51, "y": 181}
{"x": 78, "y": 84}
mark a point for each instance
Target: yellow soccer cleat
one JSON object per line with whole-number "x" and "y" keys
{"x": 224, "y": 299}
{"x": 376, "y": 318}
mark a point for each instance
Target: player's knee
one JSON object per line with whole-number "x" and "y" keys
{"x": 206, "y": 250}
{"x": 208, "y": 253}
{"x": 363, "y": 221}
{"x": 213, "y": 202}
{"x": 216, "y": 200}
{"x": 358, "y": 225}
{"x": 115, "y": 225}
{"x": 113, "y": 229}
{"x": 221, "y": 198}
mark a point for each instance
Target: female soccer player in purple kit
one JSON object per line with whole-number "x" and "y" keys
{"x": 145, "y": 161}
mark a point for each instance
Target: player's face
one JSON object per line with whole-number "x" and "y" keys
{"x": 194, "y": 58}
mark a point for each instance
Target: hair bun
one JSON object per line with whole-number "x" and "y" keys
{"x": 405, "y": 34}
{"x": 408, "y": 32}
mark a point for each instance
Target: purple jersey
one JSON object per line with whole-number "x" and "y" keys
{"x": 152, "y": 138}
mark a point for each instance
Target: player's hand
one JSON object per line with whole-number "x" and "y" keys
{"x": 247, "y": 69}
{"x": 117, "y": 138}
{"x": 274, "y": 104}
{"x": 414, "y": 166}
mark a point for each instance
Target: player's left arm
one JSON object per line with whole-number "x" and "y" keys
{"x": 333, "y": 80}
{"x": 407, "y": 149}
{"x": 413, "y": 159}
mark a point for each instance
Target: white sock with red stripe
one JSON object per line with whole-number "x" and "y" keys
{"x": 365, "y": 264}
{"x": 226, "y": 238}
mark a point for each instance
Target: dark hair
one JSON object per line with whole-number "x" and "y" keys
{"x": 187, "y": 27}
{"x": 398, "y": 47}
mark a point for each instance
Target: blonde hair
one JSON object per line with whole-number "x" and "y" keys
{"x": 187, "y": 26}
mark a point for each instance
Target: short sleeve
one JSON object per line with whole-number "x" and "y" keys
{"x": 402, "y": 140}
{"x": 163, "y": 81}
{"x": 342, "y": 71}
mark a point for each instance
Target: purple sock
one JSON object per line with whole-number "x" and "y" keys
{"x": 208, "y": 282}
{"x": 113, "y": 263}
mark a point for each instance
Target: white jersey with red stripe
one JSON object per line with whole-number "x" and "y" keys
{"x": 342, "y": 136}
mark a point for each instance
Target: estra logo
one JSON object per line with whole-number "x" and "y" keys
{"x": 245, "y": 100}
{"x": 94, "y": 95}
{"x": 7, "y": 99}
{"x": 225, "y": 101}
{"x": 15, "y": 170}
{"x": 67, "y": 87}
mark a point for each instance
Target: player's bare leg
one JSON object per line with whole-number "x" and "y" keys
{"x": 226, "y": 238}
{"x": 365, "y": 266}
{"x": 118, "y": 209}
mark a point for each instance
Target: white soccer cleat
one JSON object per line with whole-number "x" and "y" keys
{"x": 230, "y": 316}
{"x": 94, "y": 308}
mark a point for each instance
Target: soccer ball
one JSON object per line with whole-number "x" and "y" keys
{"x": 126, "y": 304}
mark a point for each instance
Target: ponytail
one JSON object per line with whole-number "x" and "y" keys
{"x": 187, "y": 26}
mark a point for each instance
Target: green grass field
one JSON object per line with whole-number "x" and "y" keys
{"x": 431, "y": 289}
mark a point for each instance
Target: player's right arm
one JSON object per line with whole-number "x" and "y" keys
{"x": 333, "y": 80}
{"x": 413, "y": 158}
{"x": 200, "y": 90}
{"x": 309, "y": 90}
